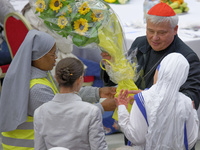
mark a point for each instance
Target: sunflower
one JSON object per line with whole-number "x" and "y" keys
{"x": 81, "y": 26}
{"x": 40, "y": 5}
{"x": 55, "y": 5}
{"x": 97, "y": 15}
{"x": 62, "y": 22}
{"x": 110, "y": 1}
{"x": 84, "y": 8}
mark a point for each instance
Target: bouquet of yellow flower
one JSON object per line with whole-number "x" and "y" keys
{"x": 68, "y": 17}
{"x": 91, "y": 22}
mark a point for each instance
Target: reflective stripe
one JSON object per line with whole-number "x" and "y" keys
{"x": 29, "y": 119}
{"x": 20, "y": 134}
{"x": 17, "y": 142}
{"x": 26, "y": 125}
{"x": 25, "y": 131}
{"x": 8, "y": 147}
{"x": 20, "y": 139}
{"x": 55, "y": 87}
{"x": 43, "y": 81}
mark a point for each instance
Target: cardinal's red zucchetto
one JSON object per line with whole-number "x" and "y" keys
{"x": 162, "y": 9}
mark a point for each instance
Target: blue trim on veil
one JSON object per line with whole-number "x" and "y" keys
{"x": 185, "y": 137}
{"x": 140, "y": 102}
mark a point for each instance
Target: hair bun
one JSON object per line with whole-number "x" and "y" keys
{"x": 66, "y": 74}
{"x": 68, "y": 70}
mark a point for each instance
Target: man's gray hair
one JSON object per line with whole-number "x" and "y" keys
{"x": 173, "y": 20}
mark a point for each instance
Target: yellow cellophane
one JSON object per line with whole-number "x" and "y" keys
{"x": 111, "y": 41}
{"x": 125, "y": 84}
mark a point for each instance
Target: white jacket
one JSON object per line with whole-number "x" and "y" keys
{"x": 69, "y": 122}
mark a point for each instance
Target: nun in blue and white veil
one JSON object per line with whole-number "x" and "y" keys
{"x": 161, "y": 117}
{"x": 15, "y": 88}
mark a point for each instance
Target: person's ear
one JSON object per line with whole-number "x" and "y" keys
{"x": 175, "y": 30}
{"x": 79, "y": 80}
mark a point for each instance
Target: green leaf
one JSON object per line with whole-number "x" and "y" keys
{"x": 88, "y": 16}
{"x": 78, "y": 40}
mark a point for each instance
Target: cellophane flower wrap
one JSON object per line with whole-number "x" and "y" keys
{"x": 117, "y": 1}
{"x": 91, "y": 22}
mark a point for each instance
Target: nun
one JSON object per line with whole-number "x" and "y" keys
{"x": 161, "y": 118}
{"x": 28, "y": 84}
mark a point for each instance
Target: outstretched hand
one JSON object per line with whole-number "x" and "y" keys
{"x": 109, "y": 104}
{"x": 123, "y": 98}
{"x": 133, "y": 92}
{"x": 105, "y": 55}
{"x": 107, "y": 92}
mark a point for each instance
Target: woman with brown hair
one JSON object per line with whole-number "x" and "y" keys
{"x": 66, "y": 120}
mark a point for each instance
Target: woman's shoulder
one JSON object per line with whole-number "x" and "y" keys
{"x": 89, "y": 108}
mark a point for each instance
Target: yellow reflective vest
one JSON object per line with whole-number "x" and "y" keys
{"x": 22, "y": 138}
